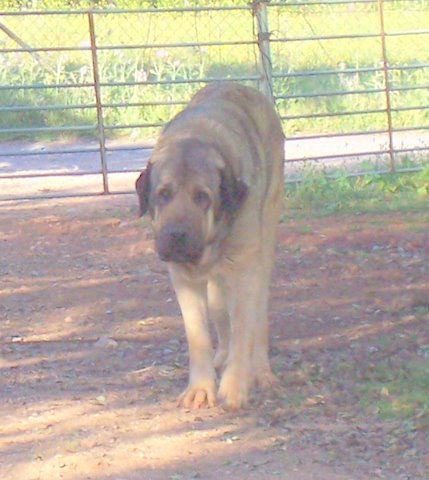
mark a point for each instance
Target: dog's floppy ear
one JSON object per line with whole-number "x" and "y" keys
{"x": 233, "y": 192}
{"x": 143, "y": 189}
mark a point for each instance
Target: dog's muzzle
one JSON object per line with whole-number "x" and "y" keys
{"x": 174, "y": 243}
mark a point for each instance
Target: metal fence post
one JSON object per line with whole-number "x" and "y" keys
{"x": 387, "y": 86}
{"x": 259, "y": 8}
{"x": 100, "y": 122}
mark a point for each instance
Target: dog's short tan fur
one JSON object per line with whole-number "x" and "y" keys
{"x": 213, "y": 187}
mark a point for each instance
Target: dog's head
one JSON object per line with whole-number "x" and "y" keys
{"x": 189, "y": 192}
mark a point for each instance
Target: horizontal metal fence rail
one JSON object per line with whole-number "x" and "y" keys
{"x": 121, "y": 11}
{"x": 100, "y": 127}
{"x": 387, "y": 88}
{"x": 160, "y": 79}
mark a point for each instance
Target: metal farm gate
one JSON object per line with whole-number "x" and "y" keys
{"x": 84, "y": 93}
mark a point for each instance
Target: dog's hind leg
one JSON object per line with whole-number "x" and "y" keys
{"x": 218, "y": 314}
{"x": 261, "y": 369}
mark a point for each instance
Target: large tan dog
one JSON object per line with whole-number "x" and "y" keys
{"x": 213, "y": 187}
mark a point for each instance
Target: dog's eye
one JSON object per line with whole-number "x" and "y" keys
{"x": 201, "y": 198}
{"x": 164, "y": 195}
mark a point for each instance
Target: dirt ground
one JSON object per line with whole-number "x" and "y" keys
{"x": 93, "y": 354}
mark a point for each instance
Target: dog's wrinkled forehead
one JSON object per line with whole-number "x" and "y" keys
{"x": 185, "y": 161}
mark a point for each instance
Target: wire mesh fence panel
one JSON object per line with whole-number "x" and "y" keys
{"x": 46, "y": 63}
{"x": 335, "y": 85}
{"x": 85, "y": 92}
{"x": 329, "y": 78}
{"x": 153, "y": 62}
{"x": 407, "y": 35}
{"x": 47, "y": 106}
{"x": 113, "y": 79}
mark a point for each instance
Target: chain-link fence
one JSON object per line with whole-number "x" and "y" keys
{"x": 351, "y": 82}
{"x": 84, "y": 93}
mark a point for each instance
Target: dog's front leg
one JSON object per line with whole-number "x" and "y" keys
{"x": 192, "y": 297}
{"x": 243, "y": 292}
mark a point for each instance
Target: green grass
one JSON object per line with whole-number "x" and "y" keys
{"x": 397, "y": 391}
{"x": 319, "y": 195}
{"x": 172, "y": 64}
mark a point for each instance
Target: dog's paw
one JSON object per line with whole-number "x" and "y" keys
{"x": 233, "y": 390}
{"x": 266, "y": 380}
{"x": 199, "y": 395}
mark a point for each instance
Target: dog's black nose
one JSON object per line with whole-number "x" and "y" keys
{"x": 179, "y": 239}
{"x": 175, "y": 244}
